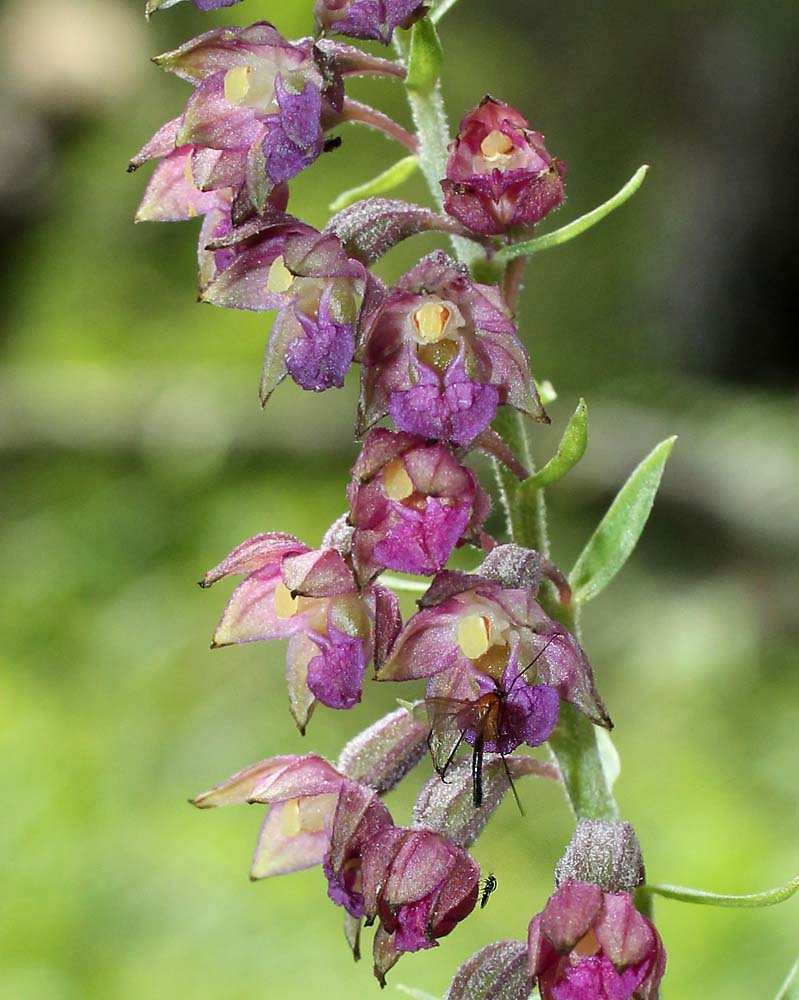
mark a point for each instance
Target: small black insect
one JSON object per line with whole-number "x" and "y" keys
{"x": 489, "y": 886}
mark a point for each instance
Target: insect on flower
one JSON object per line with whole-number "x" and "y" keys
{"x": 489, "y": 885}
{"x": 498, "y": 721}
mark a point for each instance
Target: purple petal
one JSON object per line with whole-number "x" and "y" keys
{"x": 295, "y": 137}
{"x": 570, "y": 913}
{"x": 456, "y": 412}
{"x": 172, "y": 196}
{"x": 321, "y": 358}
{"x": 336, "y": 675}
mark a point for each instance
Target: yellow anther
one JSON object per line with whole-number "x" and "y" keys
{"x": 285, "y": 604}
{"x": 280, "y": 279}
{"x": 496, "y": 145}
{"x": 431, "y": 321}
{"x": 474, "y": 635}
{"x": 237, "y": 84}
{"x": 396, "y": 481}
{"x": 290, "y": 824}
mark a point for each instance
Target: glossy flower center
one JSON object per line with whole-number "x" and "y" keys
{"x": 587, "y": 946}
{"x": 474, "y": 635}
{"x": 251, "y": 86}
{"x": 431, "y": 321}
{"x": 286, "y": 605}
{"x": 396, "y": 481}
{"x": 280, "y": 279}
{"x": 308, "y": 814}
{"x": 496, "y": 146}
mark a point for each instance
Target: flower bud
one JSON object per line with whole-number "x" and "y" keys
{"x": 375, "y": 19}
{"x": 440, "y": 355}
{"x": 499, "y": 173}
{"x": 411, "y": 503}
{"x": 383, "y": 754}
{"x": 497, "y": 972}
{"x": 607, "y": 854}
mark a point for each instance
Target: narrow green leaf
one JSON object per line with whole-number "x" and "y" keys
{"x": 608, "y": 755}
{"x": 790, "y": 988}
{"x": 387, "y": 181}
{"x": 425, "y": 59}
{"x": 610, "y": 546}
{"x": 768, "y": 898}
{"x": 566, "y": 233}
{"x": 441, "y": 8}
{"x": 570, "y": 450}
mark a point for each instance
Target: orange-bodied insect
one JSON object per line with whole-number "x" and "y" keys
{"x": 499, "y": 720}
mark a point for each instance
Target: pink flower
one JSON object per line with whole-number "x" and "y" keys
{"x": 589, "y": 944}
{"x": 411, "y": 503}
{"x": 309, "y": 597}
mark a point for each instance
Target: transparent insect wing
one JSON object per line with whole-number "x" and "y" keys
{"x": 446, "y": 717}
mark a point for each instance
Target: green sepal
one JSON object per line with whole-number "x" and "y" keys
{"x": 425, "y": 59}
{"x": 610, "y": 546}
{"x": 570, "y": 450}
{"x": 749, "y": 901}
{"x": 576, "y": 228}
{"x": 384, "y": 182}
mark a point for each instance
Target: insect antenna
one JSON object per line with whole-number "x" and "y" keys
{"x": 531, "y": 664}
{"x": 510, "y": 782}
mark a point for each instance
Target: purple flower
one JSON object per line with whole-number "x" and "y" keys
{"x": 411, "y": 503}
{"x": 277, "y": 262}
{"x": 472, "y": 625}
{"x": 418, "y": 883}
{"x": 190, "y": 182}
{"x": 514, "y": 712}
{"x": 310, "y": 598}
{"x": 367, "y": 18}
{"x": 260, "y": 100}
{"x": 499, "y": 173}
{"x": 441, "y": 353}
{"x": 589, "y": 944}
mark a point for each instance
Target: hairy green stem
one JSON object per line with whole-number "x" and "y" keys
{"x": 573, "y": 743}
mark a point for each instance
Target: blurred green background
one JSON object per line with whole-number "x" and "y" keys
{"x": 135, "y": 456}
